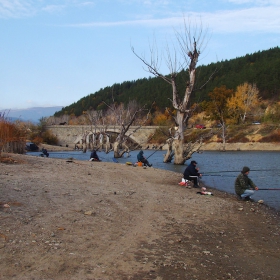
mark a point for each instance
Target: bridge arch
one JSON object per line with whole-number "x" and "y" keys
{"x": 67, "y": 134}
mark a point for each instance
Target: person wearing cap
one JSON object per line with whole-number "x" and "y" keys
{"x": 191, "y": 173}
{"x": 244, "y": 186}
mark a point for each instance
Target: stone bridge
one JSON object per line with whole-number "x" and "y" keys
{"x": 67, "y": 134}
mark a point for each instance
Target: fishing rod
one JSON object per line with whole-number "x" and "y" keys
{"x": 218, "y": 175}
{"x": 154, "y": 152}
{"x": 240, "y": 170}
{"x": 270, "y": 189}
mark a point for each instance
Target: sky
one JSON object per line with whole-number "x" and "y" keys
{"x": 54, "y": 52}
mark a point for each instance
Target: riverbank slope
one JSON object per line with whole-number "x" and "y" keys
{"x": 249, "y": 146}
{"x": 69, "y": 219}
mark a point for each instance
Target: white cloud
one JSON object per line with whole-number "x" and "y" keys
{"x": 264, "y": 19}
{"x": 53, "y": 8}
{"x": 147, "y": 2}
{"x": 15, "y": 8}
{"x": 143, "y": 22}
{"x": 255, "y": 2}
{"x": 27, "y": 8}
{"x": 87, "y": 4}
{"x": 259, "y": 16}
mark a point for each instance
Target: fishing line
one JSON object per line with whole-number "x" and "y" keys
{"x": 240, "y": 170}
{"x": 64, "y": 153}
{"x": 154, "y": 152}
{"x": 230, "y": 176}
{"x": 218, "y": 175}
{"x": 270, "y": 189}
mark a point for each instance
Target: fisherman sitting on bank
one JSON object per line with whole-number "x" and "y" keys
{"x": 94, "y": 156}
{"x": 141, "y": 158}
{"x": 244, "y": 186}
{"x": 45, "y": 152}
{"x": 191, "y": 173}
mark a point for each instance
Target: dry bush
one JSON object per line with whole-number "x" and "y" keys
{"x": 162, "y": 119}
{"x": 240, "y": 137}
{"x": 49, "y": 138}
{"x": 12, "y": 138}
{"x": 274, "y": 137}
{"x": 37, "y": 140}
{"x": 160, "y": 136}
{"x": 267, "y": 129}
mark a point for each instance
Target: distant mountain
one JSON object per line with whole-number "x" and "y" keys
{"x": 31, "y": 114}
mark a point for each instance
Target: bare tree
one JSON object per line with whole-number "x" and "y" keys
{"x": 191, "y": 147}
{"x": 124, "y": 117}
{"x": 95, "y": 119}
{"x": 97, "y": 137}
{"x": 191, "y": 42}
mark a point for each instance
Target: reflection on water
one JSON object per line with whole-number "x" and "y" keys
{"x": 265, "y": 168}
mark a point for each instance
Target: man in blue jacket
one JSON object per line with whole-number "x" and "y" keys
{"x": 191, "y": 173}
{"x": 94, "y": 156}
{"x": 141, "y": 158}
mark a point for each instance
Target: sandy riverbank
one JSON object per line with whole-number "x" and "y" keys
{"x": 88, "y": 220}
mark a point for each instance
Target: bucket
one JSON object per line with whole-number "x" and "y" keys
{"x": 140, "y": 163}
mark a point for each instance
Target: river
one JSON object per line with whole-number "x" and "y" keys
{"x": 219, "y": 169}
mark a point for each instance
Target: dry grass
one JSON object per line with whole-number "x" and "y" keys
{"x": 273, "y": 137}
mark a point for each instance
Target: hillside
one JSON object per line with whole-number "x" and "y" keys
{"x": 262, "y": 68}
{"x": 238, "y": 137}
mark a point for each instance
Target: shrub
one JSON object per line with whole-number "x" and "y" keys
{"x": 196, "y": 134}
{"x": 274, "y": 137}
{"x": 12, "y": 138}
{"x": 37, "y": 140}
{"x": 160, "y": 136}
{"x": 49, "y": 138}
{"x": 267, "y": 129}
{"x": 241, "y": 138}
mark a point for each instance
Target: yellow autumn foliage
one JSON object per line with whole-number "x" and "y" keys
{"x": 243, "y": 101}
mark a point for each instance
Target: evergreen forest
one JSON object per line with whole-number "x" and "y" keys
{"x": 261, "y": 68}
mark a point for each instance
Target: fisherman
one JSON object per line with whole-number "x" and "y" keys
{"x": 191, "y": 173}
{"x": 141, "y": 158}
{"x": 94, "y": 156}
{"x": 45, "y": 152}
{"x": 244, "y": 186}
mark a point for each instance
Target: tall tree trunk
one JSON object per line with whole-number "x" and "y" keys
{"x": 107, "y": 144}
{"x": 84, "y": 142}
{"x": 169, "y": 153}
{"x": 178, "y": 145}
{"x": 223, "y": 137}
{"x": 117, "y": 150}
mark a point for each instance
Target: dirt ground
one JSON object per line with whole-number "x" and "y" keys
{"x": 64, "y": 219}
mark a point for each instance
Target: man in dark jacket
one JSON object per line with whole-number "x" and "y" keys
{"x": 141, "y": 158}
{"x": 244, "y": 186}
{"x": 94, "y": 156}
{"x": 191, "y": 173}
{"x": 45, "y": 152}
